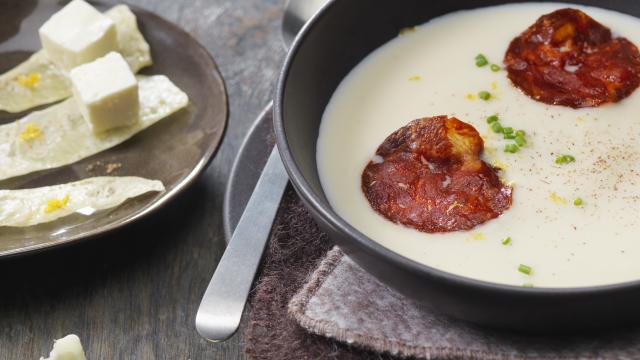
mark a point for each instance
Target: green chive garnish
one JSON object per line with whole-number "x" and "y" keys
{"x": 577, "y": 202}
{"x": 496, "y": 127}
{"x": 527, "y": 270}
{"x": 565, "y": 159}
{"x": 527, "y": 285}
{"x": 506, "y": 241}
{"x": 484, "y": 95}
{"x": 481, "y": 60}
{"x": 511, "y": 148}
{"x": 508, "y": 134}
{"x": 520, "y": 140}
{"x": 495, "y": 68}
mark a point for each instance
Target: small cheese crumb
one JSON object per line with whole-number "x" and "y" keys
{"x": 557, "y": 199}
{"x": 29, "y": 81}
{"x": 30, "y": 133}
{"x": 109, "y": 168}
{"x": 56, "y": 204}
{"x": 67, "y": 348}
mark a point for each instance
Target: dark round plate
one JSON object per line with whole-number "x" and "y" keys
{"x": 175, "y": 151}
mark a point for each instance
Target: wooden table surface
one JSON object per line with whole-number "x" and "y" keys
{"x": 134, "y": 294}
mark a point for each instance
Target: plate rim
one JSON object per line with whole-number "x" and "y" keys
{"x": 229, "y": 202}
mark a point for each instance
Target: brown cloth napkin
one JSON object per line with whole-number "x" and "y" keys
{"x": 304, "y": 292}
{"x": 295, "y": 249}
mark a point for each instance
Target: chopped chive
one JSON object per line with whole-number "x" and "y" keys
{"x": 520, "y": 133}
{"x": 565, "y": 159}
{"x": 527, "y": 270}
{"x": 492, "y": 118}
{"x": 496, "y": 127}
{"x": 527, "y": 285}
{"x": 484, "y": 95}
{"x": 520, "y": 140}
{"x": 508, "y": 130}
{"x": 511, "y": 148}
{"x": 495, "y": 68}
{"x": 481, "y": 60}
{"x": 506, "y": 241}
{"x": 509, "y": 136}
{"x": 577, "y": 202}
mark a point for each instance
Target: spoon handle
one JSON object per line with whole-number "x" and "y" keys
{"x": 222, "y": 305}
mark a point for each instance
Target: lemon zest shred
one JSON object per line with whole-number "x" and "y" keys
{"x": 407, "y": 30}
{"x": 30, "y": 133}
{"x": 499, "y": 164}
{"x": 477, "y": 236}
{"x": 470, "y": 96}
{"x": 415, "y": 78}
{"x": 453, "y": 206}
{"x": 56, "y": 204}
{"x": 494, "y": 85}
{"x": 29, "y": 81}
{"x": 557, "y": 199}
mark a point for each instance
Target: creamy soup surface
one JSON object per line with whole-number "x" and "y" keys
{"x": 431, "y": 71}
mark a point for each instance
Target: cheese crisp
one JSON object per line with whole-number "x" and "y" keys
{"x": 29, "y": 207}
{"x": 59, "y": 135}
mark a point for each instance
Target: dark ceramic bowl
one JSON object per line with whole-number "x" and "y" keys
{"x": 332, "y": 44}
{"x": 176, "y": 150}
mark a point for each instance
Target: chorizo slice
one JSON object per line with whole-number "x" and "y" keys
{"x": 428, "y": 175}
{"x": 567, "y": 58}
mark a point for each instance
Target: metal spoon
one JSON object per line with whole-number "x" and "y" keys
{"x": 224, "y": 300}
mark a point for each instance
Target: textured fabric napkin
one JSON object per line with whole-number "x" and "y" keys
{"x": 313, "y": 302}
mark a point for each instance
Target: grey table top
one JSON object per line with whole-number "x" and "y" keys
{"x": 134, "y": 294}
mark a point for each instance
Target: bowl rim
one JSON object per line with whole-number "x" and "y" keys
{"x": 371, "y": 246}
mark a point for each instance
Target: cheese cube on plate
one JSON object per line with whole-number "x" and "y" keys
{"x": 78, "y": 34}
{"x": 107, "y": 92}
{"x": 67, "y": 348}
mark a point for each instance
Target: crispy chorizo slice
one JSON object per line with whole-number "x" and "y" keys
{"x": 428, "y": 175}
{"x": 567, "y": 58}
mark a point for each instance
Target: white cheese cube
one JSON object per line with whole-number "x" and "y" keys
{"x": 78, "y": 34}
{"x": 107, "y": 92}
{"x": 67, "y": 348}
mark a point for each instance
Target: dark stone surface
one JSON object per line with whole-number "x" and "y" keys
{"x": 134, "y": 294}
